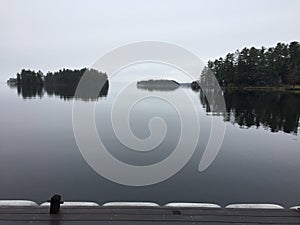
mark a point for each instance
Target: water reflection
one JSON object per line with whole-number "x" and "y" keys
{"x": 250, "y": 161}
{"x": 65, "y": 92}
{"x": 275, "y": 111}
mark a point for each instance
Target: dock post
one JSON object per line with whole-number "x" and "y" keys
{"x": 55, "y": 202}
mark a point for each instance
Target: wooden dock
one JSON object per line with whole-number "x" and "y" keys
{"x": 145, "y": 215}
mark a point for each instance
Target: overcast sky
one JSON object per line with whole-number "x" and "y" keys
{"x": 49, "y": 35}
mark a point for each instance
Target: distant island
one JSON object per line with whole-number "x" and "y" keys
{"x": 275, "y": 68}
{"x": 62, "y": 83}
{"x": 158, "y": 85}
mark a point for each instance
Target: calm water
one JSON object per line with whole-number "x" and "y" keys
{"x": 259, "y": 160}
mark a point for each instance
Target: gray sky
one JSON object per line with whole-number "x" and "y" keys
{"x": 49, "y": 35}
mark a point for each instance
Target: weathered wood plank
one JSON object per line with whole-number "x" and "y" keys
{"x": 143, "y": 215}
{"x": 158, "y": 210}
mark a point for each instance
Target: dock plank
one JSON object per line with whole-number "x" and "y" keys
{"x": 146, "y": 215}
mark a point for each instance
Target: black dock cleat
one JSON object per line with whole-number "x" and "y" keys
{"x": 55, "y": 202}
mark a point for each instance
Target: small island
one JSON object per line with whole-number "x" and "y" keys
{"x": 158, "y": 85}
{"x": 275, "y": 68}
{"x": 62, "y": 83}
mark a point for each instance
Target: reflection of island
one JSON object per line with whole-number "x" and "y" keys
{"x": 158, "y": 85}
{"x": 62, "y": 83}
{"x": 276, "y": 111}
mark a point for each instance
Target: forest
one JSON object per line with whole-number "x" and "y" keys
{"x": 249, "y": 67}
{"x": 62, "y": 83}
{"x": 274, "y": 66}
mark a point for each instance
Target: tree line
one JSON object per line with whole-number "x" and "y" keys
{"x": 61, "y": 77}
{"x": 274, "y": 66}
{"x": 62, "y": 83}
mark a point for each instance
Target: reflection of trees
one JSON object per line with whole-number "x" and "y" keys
{"x": 211, "y": 94}
{"x": 29, "y": 90}
{"x": 212, "y": 101}
{"x": 65, "y": 92}
{"x": 62, "y": 83}
{"x": 277, "y": 111}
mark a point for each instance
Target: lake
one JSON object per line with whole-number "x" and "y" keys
{"x": 259, "y": 160}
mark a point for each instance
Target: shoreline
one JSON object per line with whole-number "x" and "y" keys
{"x": 288, "y": 88}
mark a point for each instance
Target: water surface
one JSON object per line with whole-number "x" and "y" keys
{"x": 259, "y": 160}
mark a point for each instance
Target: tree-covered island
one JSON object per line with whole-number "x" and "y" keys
{"x": 62, "y": 83}
{"x": 158, "y": 85}
{"x": 277, "y": 66}
{"x": 251, "y": 68}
